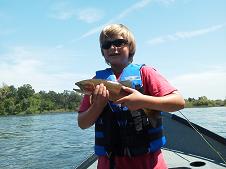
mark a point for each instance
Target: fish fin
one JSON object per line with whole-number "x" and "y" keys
{"x": 127, "y": 83}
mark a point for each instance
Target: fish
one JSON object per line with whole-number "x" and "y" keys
{"x": 116, "y": 92}
{"x": 115, "y": 88}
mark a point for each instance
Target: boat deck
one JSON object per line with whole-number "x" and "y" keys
{"x": 178, "y": 160}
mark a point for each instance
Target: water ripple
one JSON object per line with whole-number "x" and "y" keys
{"x": 56, "y": 141}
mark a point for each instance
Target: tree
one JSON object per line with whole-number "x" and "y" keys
{"x": 2, "y": 112}
{"x": 219, "y": 102}
{"x": 66, "y": 98}
{"x": 202, "y": 101}
{"x": 73, "y": 100}
{"x": 191, "y": 99}
{"x": 12, "y": 93}
{"x": 25, "y": 104}
{"x": 7, "y": 98}
{"x": 25, "y": 91}
{"x": 9, "y": 106}
{"x": 35, "y": 102}
{"x": 4, "y": 91}
{"x": 47, "y": 101}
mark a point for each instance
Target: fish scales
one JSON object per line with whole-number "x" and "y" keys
{"x": 115, "y": 88}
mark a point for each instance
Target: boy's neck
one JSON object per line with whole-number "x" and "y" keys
{"x": 117, "y": 69}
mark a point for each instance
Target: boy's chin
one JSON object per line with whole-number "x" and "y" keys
{"x": 118, "y": 62}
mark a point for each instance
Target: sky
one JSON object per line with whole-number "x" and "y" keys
{"x": 51, "y": 44}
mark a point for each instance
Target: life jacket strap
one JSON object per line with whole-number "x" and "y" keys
{"x": 111, "y": 158}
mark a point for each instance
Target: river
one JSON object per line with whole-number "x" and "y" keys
{"x": 55, "y": 140}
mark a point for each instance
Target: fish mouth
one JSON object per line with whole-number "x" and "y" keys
{"x": 78, "y": 84}
{"x": 85, "y": 88}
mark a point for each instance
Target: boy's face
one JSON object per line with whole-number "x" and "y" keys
{"x": 116, "y": 51}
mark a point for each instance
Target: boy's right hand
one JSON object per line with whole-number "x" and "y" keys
{"x": 100, "y": 96}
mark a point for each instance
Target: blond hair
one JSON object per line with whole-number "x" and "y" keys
{"x": 112, "y": 30}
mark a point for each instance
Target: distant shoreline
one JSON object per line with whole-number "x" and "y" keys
{"x": 76, "y": 111}
{"x": 203, "y": 106}
{"x": 42, "y": 113}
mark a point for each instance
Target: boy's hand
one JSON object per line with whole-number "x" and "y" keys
{"x": 100, "y": 96}
{"x": 132, "y": 101}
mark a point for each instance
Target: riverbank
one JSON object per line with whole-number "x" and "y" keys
{"x": 39, "y": 113}
{"x": 25, "y": 101}
{"x": 203, "y": 106}
{"x": 203, "y": 101}
{"x": 76, "y": 109}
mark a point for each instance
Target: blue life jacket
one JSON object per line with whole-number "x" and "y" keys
{"x": 122, "y": 132}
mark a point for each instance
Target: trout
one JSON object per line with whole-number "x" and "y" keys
{"x": 115, "y": 91}
{"x": 115, "y": 88}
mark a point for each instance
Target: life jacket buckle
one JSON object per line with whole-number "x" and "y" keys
{"x": 127, "y": 152}
{"x": 109, "y": 154}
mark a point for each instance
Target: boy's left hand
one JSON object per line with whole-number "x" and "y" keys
{"x": 132, "y": 101}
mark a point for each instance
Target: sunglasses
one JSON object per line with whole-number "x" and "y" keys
{"x": 116, "y": 43}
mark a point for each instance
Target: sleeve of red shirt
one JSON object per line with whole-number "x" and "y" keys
{"x": 85, "y": 104}
{"x": 155, "y": 84}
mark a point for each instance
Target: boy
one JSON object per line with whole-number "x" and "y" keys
{"x": 125, "y": 137}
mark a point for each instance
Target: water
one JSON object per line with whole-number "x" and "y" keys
{"x": 43, "y": 141}
{"x": 213, "y": 118}
{"x": 55, "y": 140}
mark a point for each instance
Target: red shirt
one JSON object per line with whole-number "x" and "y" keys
{"x": 154, "y": 85}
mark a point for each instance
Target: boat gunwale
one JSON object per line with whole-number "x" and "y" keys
{"x": 202, "y": 130}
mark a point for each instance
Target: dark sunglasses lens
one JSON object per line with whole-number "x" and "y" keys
{"x": 106, "y": 45}
{"x": 117, "y": 43}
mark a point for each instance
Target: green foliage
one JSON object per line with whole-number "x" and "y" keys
{"x": 24, "y": 100}
{"x": 25, "y": 91}
{"x": 203, "y": 101}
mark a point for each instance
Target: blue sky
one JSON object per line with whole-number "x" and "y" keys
{"x": 51, "y": 44}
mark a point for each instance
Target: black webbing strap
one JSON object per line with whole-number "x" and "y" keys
{"x": 111, "y": 158}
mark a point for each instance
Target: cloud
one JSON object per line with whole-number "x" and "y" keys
{"x": 137, "y": 6}
{"x": 210, "y": 83}
{"x": 165, "y": 2}
{"x": 132, "y": 8}
{"x": 62, "y": 11}
{"x": 65, "y": 11}
{"x": 91, "y": 32}
{"x": 90, "y": 15}
{"x": 185, "y": 34}
{"x": 21, "y": 66}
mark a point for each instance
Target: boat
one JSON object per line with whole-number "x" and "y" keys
{"x": 188, "y": 146}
